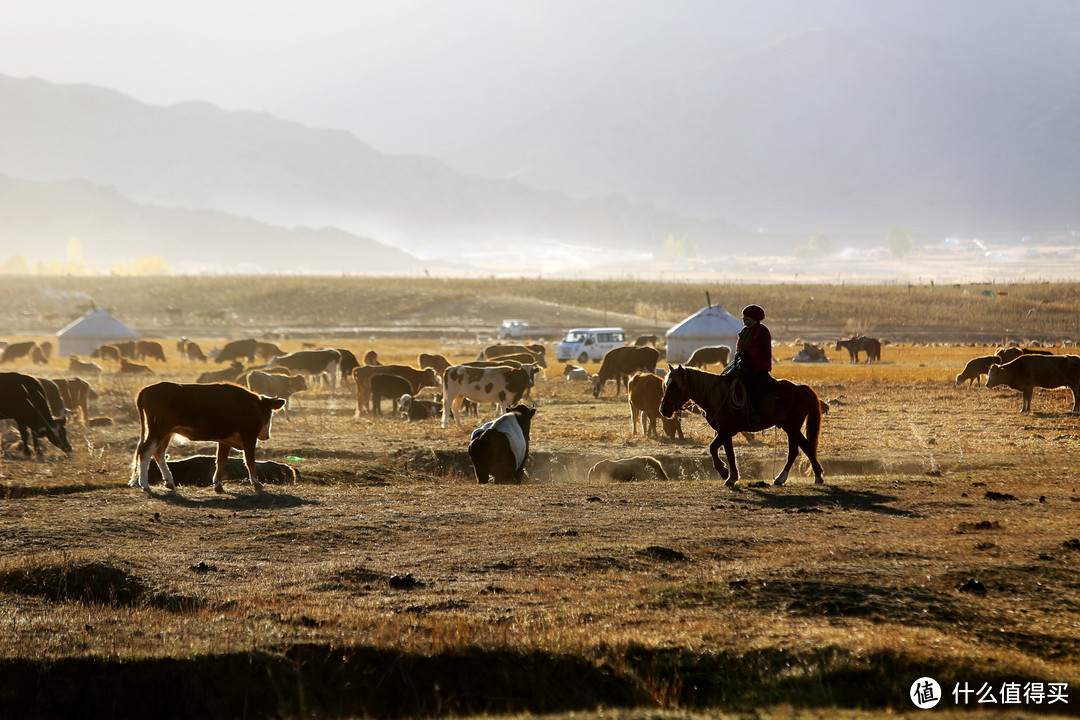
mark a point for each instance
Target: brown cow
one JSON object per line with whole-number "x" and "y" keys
{"x": 497, "y": 352}
{"x": 347, "y": 364}
{"x": 22, "y": 399}
{"x": 191, "y": 350}
{"x": 1028, "y": 372}
{"x": 371, "y": 358}
{"x": 1009, "y": 354}
{"x": 628, "y": 470}
{"x": 711, "y": 355}
{"x": 418, "y": 378}
{"x": 438, "y": 363}
{"x": 38, "y": 356}
{"x": 79, "y": 367}
{"x": 128, "y": 367}
{"x": 230, "y": 415}
{"x": 237, "y": 349}
{"x": 18, "y": 350}
{"x": 644, "y": 392}
{"x": 106, "y": 352}
{"x": 319, "y": 364}
{"x": 622, "y": 362}
{"x": 976, "y": 368}
{"x": 229, "y": 374}
{"x": 274, "y": 385}
{"x": 149, "y": 350}
{"x": 76, "y": 394}
{"x": 387, "y": 387}
{"x": 267, "y": 350}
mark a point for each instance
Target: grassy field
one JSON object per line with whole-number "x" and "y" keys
{"x": 386, "y": 583}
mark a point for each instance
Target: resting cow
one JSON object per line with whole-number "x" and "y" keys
{"x": 627, "y": 470}
{"x": 622, "y": 362}
{"x": 79, "y": 367}
{"x": 22, "y": 399}
{"x": 976, "y": 368}
{"x": 503, "y": 386}
{"x": 228, "y": 374}
{"x": 574, "y": 372}
{"x": 129, "y": 368}
{"x": 230, "y": 415}
{"x": 498, "y": 449}
{"x": 1028, "y": 372}
{"x": 199, "y": 470}
{"x": 415, "y": 409}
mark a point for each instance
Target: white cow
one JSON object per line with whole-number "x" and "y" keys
{"x": 503, "y": 386}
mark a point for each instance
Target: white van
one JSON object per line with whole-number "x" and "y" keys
{"x": 584, "y": 344}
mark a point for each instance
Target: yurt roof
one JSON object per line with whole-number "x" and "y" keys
{"x": 712, "y": 321}
{"x": 99, "y": 322}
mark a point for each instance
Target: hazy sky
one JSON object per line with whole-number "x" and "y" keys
{"x": 419, "y": 76}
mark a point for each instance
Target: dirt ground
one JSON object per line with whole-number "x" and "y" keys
{"x": 386, "y": 583}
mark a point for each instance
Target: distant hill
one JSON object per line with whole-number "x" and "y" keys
{"x": 38, "y": 219}
{"x": 252, "y": 165}
{"x": 835, "y": 130}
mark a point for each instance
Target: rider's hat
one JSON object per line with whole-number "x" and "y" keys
{"x": 754, "y": 312}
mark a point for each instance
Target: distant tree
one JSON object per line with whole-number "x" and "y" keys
{"x": 901, "y": 242}
{"x": 14, "y": 265}
{"x": 679, "y": 247}
{"x": 145, "y": 265}
{"x": 818, "y": 246}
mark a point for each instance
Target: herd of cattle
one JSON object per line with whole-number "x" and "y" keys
{"x": 234, "y": 405}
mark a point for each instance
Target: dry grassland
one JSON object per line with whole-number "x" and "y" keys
{"x": 387, "y": 583}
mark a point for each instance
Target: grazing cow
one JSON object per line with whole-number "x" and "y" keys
{"x": 149, "y": 350}
{"x": 496, "y": 352}
{"x": 628, "y": 470}
{"x": 503, "y": 386}
{"x": 857, "y": 344}
{"x": 52, "y": 395}
{"x": 976, "y": 368}
{"x": 643, "y": 340}
{"x": 236, "y": 350}
{"x": 574, "y": 372}
{"x": 38, "y": 356}
{"x": 387, "y": 387}
{"x": 1028, "y": 372}
{"x": 79, "y": 367}
{"x": 622, "y": 362}
{"x": 18, "y": 350}
{"x": 130, "y": 368}
{"x": 412, "y": 408}
{"x": 498, "y": 449}
{"x": 321, "y": 364}
{"x": 347, "y": 364}
{"x": 267, "y": 350}
{"x": 418, "y": 379}
{"x": 644, "y": 392}
{"x": 76, "y": 394}
{"x": 229, "y": 374}
{"x": 1009, "y": 354}
{"x": 371, "y": 358}
{"x": 232, "y": 416}
{"x": 199, "y": 470}
{"x": 274, "y": 385}
{"x": 126, "y": 349}
{"x": 703, "y": 357}
{"x": 438, "y": 363}
{"x": 46, "y": 349}
{"x": 106, "y": 352}
{"x": 190, "y": 350}
{"x": 22, "y": 399}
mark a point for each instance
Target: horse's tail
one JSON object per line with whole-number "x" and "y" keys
{"x": 813, "y": 416}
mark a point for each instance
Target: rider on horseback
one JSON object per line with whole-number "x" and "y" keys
{"x": 752, "y": 365}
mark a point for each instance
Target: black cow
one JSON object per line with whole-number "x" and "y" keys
{"x": 22, "y": 399}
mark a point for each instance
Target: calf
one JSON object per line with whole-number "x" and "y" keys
{"x": 976, "y": 368}
{"x": 575, "y": 372}
{"x": 228, "y": 374}
{"x": 274, "y": 385}
{"x": 622, "y": 362}
{"x": 498, "y": 449}
{"x": 230, "y": 415}
{"x": 627, "y": 470}
{"x": 22, "y": 399}
{"x": 1028, "y": 372}
{"x": 412, "y": 408}
{"x": 322, "y": 364}
{"x": 389, "y": 387}
{"x": 644, "y": 392}
{"x": 503, "y": 386}
{"x": 418, "y": 379}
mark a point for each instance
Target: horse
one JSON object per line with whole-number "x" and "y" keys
{"x": 719, "y": 397}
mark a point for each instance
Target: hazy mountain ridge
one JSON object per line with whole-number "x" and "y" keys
{"x": 195, "y": 155}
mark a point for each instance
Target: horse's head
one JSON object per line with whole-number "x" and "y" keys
{"x": 676, "y": 393}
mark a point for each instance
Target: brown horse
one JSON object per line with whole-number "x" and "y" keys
{"x": 719, "y": 397}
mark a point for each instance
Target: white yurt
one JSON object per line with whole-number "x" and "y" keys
{"x": 709, "y": 326}
{"x": 97, "y": 327}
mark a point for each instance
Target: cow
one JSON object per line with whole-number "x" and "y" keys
{"x": 503, "y": 386}
{"x": 347, "y": 364}
{"x": 228, "y": 414}
{"x": 79, "y": 367}
{"x": 644, "y": 392}
{"x": 321, "y": 364}
{"x": 38, "y": 356}
{"x": 22, "y": 399}
{"x": 149, "y": 350}
{"x": 52, "y": 395}
{"x": 46, "y": 349}
{"x": 628, "y": 470}
{"x": 274, "y": 385}
{"x": 266, "y": 350}
{"x": 622, "y": 362}
{"x": 976, "y": 368}
{"x": 643, "y": 340}
{"x": 76, "y": 394}
{"x": 229, "y": 374}
{"x": 126, "y": 349}
{"x": 106, "y": 352}
{"x": 1008, "y": 354}
{"x": 199, "y": 470}
{"x": 1028, "y": 372}
{"x": 129, "y": 368}
{"x": 236, "y": 350}
{"x": 191, "y": 350}
{"x": 496, "y": 352}
{"x": 418, "y": 379}
{"x": 703, "y": 357}
{"x": 574, "y": 372}
{"x": 371, "y": 358}
{"x": 499, "y": 449}
{"x": 859, "y": 343}
{"x": 412, "y": 408}
{"x": 438, "y": 363}
{"x": 16, "y": 351}
{"x": 387, "y": 387}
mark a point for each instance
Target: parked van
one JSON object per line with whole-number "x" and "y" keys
{"x": 584, "y": 344}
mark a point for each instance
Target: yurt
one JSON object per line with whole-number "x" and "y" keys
{"x": 97, "y": 327}
{"x": 709, "y": 326}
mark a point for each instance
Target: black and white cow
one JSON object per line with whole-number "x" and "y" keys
{"x": 498, "y": 449}
{"x": 503, "y": 386}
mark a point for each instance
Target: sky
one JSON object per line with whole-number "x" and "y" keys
{"x": 382, "y": 70}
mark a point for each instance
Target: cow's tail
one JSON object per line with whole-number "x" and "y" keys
{"x": 139, "y": 408}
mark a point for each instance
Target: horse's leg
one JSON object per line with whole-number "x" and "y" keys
{"x": 729, "y": 448}
{"x": 792, "y": 453}
{"x": 714, "y": 450}
{"x": 811, "y": 455}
